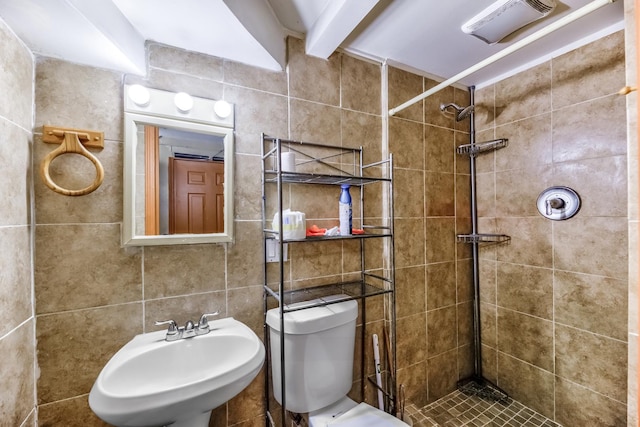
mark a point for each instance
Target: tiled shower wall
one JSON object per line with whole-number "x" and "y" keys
{"x": 631, "y": 55}
{"x": 17, "y": 345}
{"x": 554, "y": 300}
{"x": 433, "y": 278}
{"x": 92, "y": 296}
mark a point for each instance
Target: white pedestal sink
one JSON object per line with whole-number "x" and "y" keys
{"x": 152, "y": 382}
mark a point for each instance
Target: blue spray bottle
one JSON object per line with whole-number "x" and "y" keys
{"x": 345, "y": 210}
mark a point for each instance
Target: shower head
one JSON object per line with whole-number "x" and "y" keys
{"x": 466, "y": 112}
{"x": 461, "y": 113}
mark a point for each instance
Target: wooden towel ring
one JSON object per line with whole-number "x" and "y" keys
{"x": 70, "y": 144}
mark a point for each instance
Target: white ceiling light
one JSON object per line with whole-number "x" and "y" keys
{"x": 506, "y": 16}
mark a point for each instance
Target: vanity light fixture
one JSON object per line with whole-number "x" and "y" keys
{"x": 222, "y": 109}
{"x": 183, "y": 101}
{"x": 139, "y": 95}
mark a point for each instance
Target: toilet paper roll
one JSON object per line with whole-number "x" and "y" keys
{"x": 289, "y": 162}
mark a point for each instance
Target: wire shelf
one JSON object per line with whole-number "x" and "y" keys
{"x": 353, "y": 290}
{"x": 483, "y": 238}
{"x": 481, "y": 147}
{"x": 312, "y": 178}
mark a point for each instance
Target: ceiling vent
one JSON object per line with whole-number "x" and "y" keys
{"x": 506, "y": 16}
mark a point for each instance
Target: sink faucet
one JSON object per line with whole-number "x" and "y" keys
{"x": 173, "y": 333}
{"x": 189, "y": 330}
{"x": 203, "y": 325}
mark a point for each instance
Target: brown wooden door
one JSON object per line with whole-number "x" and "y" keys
{"x": 196, "y": 202}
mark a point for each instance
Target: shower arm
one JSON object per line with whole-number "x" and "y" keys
{"x": 556, "y": 25}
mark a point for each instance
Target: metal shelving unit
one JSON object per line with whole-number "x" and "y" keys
{"x": 477, "y": 384}
{"x": 326, "y": 165}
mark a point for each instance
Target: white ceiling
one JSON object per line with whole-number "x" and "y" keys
{"x": 419, "y": 35}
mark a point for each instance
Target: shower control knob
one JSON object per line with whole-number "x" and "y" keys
{"x": 558, "y": 203}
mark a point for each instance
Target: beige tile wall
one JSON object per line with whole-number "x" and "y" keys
{"x": 85, "y": 282}
{"x": 431, "y": 189}
{"x": 17, "y": 338}
{"x": 92, "y": 296}
{"x": 554, "y": 299}
{"x": 634, "y": 203}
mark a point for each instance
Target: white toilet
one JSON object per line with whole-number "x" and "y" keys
{"x": 319, "y": 346}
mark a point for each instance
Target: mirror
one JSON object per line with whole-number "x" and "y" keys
{"x": 178, "y": 168}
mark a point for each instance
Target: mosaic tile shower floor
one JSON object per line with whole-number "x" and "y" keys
{"x": 458, "y": 409}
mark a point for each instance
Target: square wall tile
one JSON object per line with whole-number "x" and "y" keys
{"x": 63, "y": 347}
{"x": 596, "y": 245}
{"x": 524, "y": 95}
{"x": 16, "y": 84}
{"x": 526, "y": 289}
{"x": 183, "y": 308}
{"x": 406, "y": 143}
{"x": 580, "y": 406}
{"x": 593, "y": 303}
{"x": 440, "y": 235}
{"x": 442, "y": 375}
{"x": 247, "y": 76}
{"x": 403, "y": 86}
{"x": 525, "y": 337}
{"x": 410, "y": 288}
{"x": 356, "y": 74}
{"x": 411, "y": 340}
{"x": 601, "y": 184}
{"x": 530, "y": 144}
{"x": 16, "y": 376}
{"x": 74, "y": 412}
{"x": 409, "y": 235}
{"x": 441, "y": 285}
{"x": 15, "y": 156}
{"x": 62, "y": 278}
{"x": 441, "y": 330}
{"x": 15, "y": 281}
{"x": 527, "y": 383}
{"x": 597, "y": 68}
{"x": 409, "y": 194}
{"x": 78, "y": 96}
{"x": 325, "y": 75}
{"x": 600, "y": 134}
{"x": 104, "y": 205}
{"x": 440, "y": 149}
{"x": 184, "y": 62}
{"x": 593, "y": 361}
{"x": 531, "y": 241}
{"x": 313, "y": 122}
{"x": 433, "y": 115}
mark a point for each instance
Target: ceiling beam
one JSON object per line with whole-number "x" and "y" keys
{"x": 258, "y": 19}
{"x": 93, "y": 33}
{"x": 336, "y": 22}
{"x": 105, "y": 16}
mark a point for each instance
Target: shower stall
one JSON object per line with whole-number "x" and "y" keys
{"x": 476, "y": 384}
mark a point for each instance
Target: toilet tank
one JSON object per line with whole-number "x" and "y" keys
{"x": 318, "y": 353}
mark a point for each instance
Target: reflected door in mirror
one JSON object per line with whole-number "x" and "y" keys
{"x": 196, "y": 196}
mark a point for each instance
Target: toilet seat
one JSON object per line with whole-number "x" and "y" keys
{"x": 360, "y": 415}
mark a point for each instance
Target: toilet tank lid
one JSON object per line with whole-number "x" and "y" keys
{"x": 314, "y": 319}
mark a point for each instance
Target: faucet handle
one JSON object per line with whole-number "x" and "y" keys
{"x": 203, "y": 324}
{"x": 173, "y": 332}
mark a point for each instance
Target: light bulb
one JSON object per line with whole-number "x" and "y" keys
{"x": 222, "y": 109}
{"x": 183, "y": 101}
{"x": 139, "y": 95}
